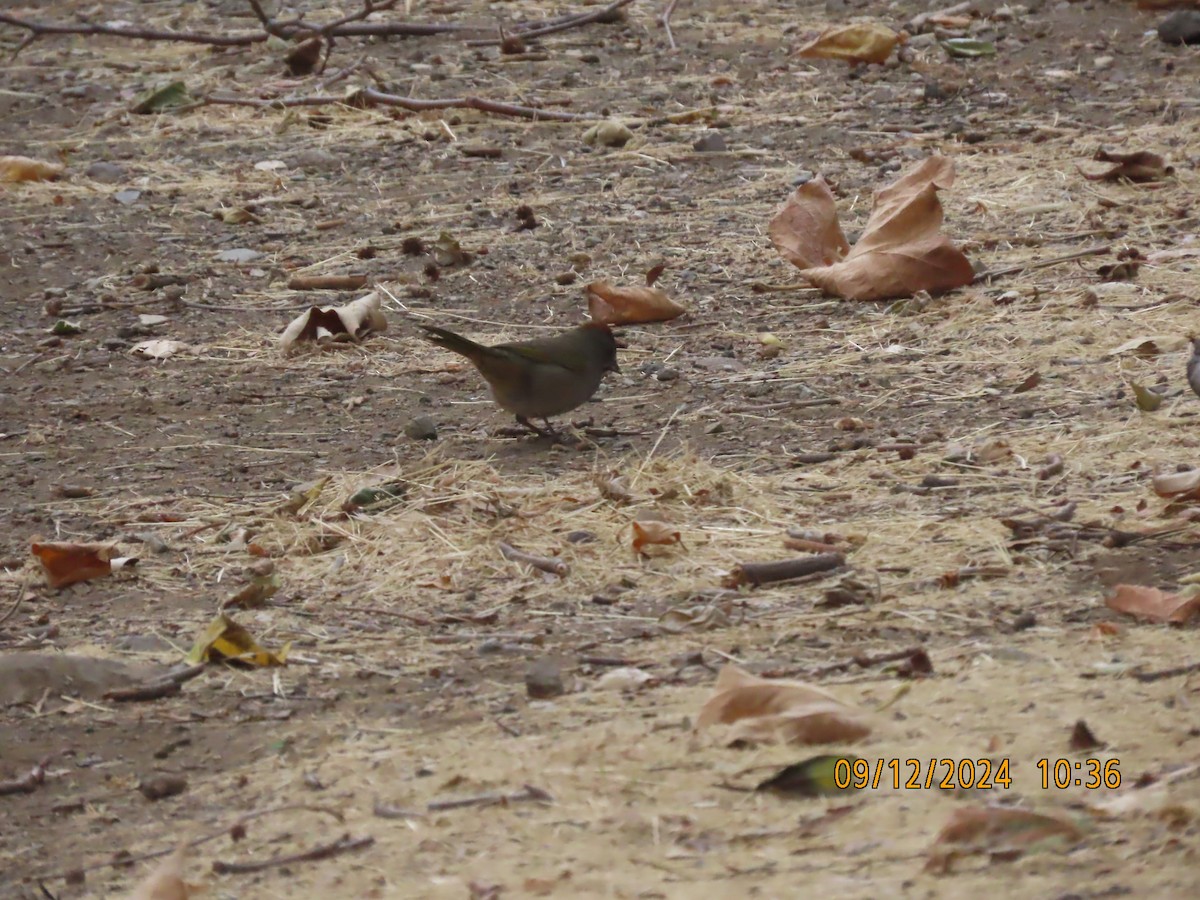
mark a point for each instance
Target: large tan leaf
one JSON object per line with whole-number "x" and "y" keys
{"x": 767, "y": 711}
{"x": 806, "y": 231}
{"x": 901, "y": 250}
{"x": 1178, "y": 486}
{"x": 330, "y": 324}
{"x": 612, "y": 305}
{"x": 858, "y": 42}
{"x": 1152, "y": 604}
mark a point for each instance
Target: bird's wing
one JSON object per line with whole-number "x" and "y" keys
{"x": 547, "y": 356}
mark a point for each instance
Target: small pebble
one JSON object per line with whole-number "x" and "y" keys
{"x": 421, "y": 428}
{"x": 712, "y": 142}
{"x": 159, "y": 787}
{"x": 544, "y": 679}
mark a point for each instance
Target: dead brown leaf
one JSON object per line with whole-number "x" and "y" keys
{"x": 1152, "y": 604}
{"x": 24, "y": 168}
{"x": 767, "y": 711}
{"x": 351, "y": 322}
{"x": 653, "y": 532}
{"x": 901, "y": 250}
{"x": 67, "y": 563}
{"x": 998, "y": 829}
{"x": 1138, "y": 167}
{"x": 1178, "y": 486}
{"x": 610, "y": 305}
{"x": 166, "y": 881}
{"x": 806, "y": 231}
{"x": 858, "y": 42}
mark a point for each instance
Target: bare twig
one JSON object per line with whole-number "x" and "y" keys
{"x": 387, "y": 811}
{"x": 526, "y": 794}
{"x": 12, "y": 610}
{"x": 1041, "y": 263}
{"x": 37, "y": 29}
{"x": 544, "y": 563}
{"x": 664, "y": 19}
{"x": 785, "y": 570}
{"x": 350, "y": 25}
{"x": 344, "y": 844}
{"x": 164, "y": 687}
{"x": 27, "y": 783}
{"x": 562, "y": 24}
{"x": 326, "y": 282}
{"x": 1172, "y": 672}
{"x": 368, "y": 97}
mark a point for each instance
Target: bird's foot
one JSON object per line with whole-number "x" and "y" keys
{"x": 547, "y": 432}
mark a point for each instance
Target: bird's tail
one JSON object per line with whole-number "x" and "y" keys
{"x": 454, "y": 342}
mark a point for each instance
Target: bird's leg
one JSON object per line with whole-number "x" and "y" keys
{"x": 540, "y": 432}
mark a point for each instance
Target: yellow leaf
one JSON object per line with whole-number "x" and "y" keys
{"x": 226, "y": 639}
{"x": 860, "y": 42}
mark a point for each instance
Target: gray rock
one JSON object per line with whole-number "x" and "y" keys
{"x": 106, "y": 172}
{"x": 421, "y": 428}
{"x": 544, "y": 679}
{"x": 712, "y": 142}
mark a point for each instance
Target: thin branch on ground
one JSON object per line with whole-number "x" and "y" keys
{"x": 167, "y": 686}
{"x": 664, "y": 19}
{"x": 38, "y": 29}
{"x": 344, "y": 844}
{"x": 12, "y": 610}
{"x": 350, "y": 25}
{"x": 124, "y": 860}
{"x": 27, "y": 783}
{"x": 527, "y": 794}
{"x": 1042, "y": 263}
{"x": 564, "y": 24}
{"x": 367, "y": 97}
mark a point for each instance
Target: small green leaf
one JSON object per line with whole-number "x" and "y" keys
{"x": 64, "y": 328}
{"x": 818, "y": 776}
{"x": 1146, "y": 399}
{"x": 968, "y": 48}
{"x": 174, "y": 94}
{"x": 377, "y": 497}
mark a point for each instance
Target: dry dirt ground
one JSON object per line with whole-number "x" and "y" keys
{"x": 411, "y": 635}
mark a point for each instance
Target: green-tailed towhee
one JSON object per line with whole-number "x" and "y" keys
{"x": 539, "y": 378}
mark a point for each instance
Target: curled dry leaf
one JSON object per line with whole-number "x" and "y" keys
{"x": 226, "y": 639}
{"x": 766, "y": 711}
{"x": 67, "y": 563}
{"x": 859, "y": 42}
{"x": 701, "y": 617}
{"x": 158, "y": 349}
{"x": 1150, "y": 345}
{"x": 1178, "y": 486}
{"x": 653, "y": 532}
{"x": 610, "y": 305}
{"x": 166, "y": 881}
{"x": 351, "y": 322}
{"x": 1139, "y": 167}
{"x": 1152, "y": 604}
{"x": 901, "y": 250}
{"x": 1004, "y": 828}
{"x": 615, "y": 488}
{"x": 24, "y": 168}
